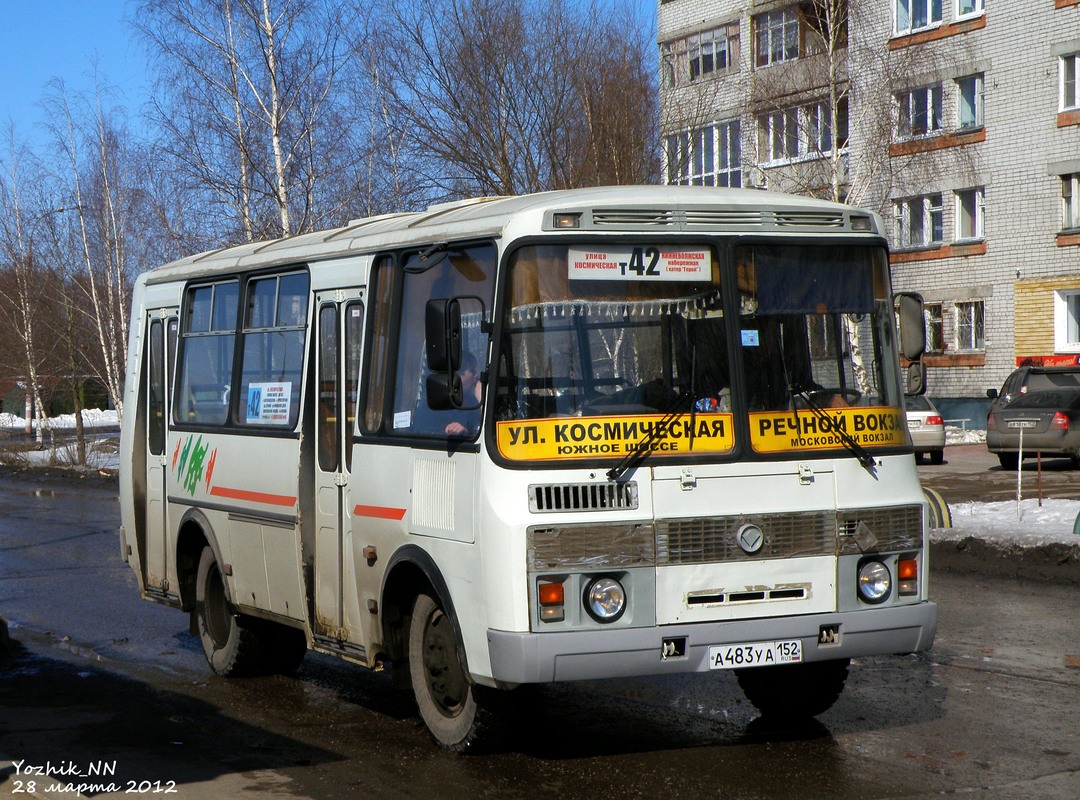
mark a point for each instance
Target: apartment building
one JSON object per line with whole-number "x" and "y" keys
{"x": 957, "y": 120}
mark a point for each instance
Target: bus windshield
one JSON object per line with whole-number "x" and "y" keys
{"x": 637, "y": 338}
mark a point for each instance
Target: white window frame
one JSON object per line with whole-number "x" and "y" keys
{"x": 1069, "y": 76}
{"x": 925, "y": 101}
{"x": 970, "y": 325}
{"x": 976, "y": 8}
{"x": 723, "y": 39}
{"x": 904, "y": 13}
{"x": 969, "y": 94}
{"x": 774, "y": 29}
{"x": 782, "y": 137}
{"x": 919, "y": 221}
{"x": 970, "y": 213}
{"x": 708, "y": 156}
{"x": 934, "y": 315}
{"x": 1070, "y": 202}
{"x": 1067, "y": 321}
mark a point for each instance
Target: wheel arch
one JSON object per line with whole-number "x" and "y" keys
{"x": 194, "y": 533}
{"x": 411, "y": 571}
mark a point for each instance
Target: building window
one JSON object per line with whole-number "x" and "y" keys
{"x": 970, "y": 8}
{"x": 911, "y": 15}
{"x": 780, "y": 132}
{"x": 919, "y": 112}
{"x": 807, "y": 131}
{"x": 1067, "y": 320}
{"x": 711, "y": 51}
{"x": 970, "y": 93}
{"x": 969, "y": 326}
{"x": 1070, "y": 202}
{"x": 919, "y": 221}
{"x": 1070, "y": 89}
{"x": 969, "y": 213}
{"x": 709, "y": 156}
{"x": 935, "y": 327}
{"x": 776, "y": 37}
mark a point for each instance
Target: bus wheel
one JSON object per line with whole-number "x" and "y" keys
{"x": 460, "y": 715}
{"x": 229, "y": 640}
{"x": 795, "y": 691}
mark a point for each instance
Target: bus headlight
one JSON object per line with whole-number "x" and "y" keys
{"x": 874, "y": 581}
{"x": 605, "y": 599}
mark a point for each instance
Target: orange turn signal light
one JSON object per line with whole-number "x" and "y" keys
{"x": 551, "y": 594}
{"x": 907, "y": 569}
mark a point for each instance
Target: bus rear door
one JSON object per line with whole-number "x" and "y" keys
{"x": 161, "y": 349}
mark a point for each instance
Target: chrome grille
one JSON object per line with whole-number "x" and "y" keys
{"x": 583, "y": 496}
{"x": 898, "y": 528}
{"x": 705, "y": 539}
{"x": 566, "y": 547}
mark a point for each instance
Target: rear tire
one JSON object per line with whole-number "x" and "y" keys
{"x": 937, "y": 457}
{"x": 460, "y": 715}
{"x": 230, "y": 640}
{"x": 794, "y": 691}
{"x": 1009, "y": 461}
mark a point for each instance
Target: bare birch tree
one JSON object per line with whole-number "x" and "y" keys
{"x": 247, "y": 95}
{"x": 21, "y": 305}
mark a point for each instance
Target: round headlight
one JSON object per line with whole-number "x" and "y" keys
{"x": 874, "y": 581}
{"x": 605, "y": 599}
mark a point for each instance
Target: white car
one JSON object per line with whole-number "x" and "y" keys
{"x": 927, "y": 428}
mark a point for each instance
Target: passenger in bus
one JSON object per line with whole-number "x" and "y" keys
{"x": 472, "y": 390}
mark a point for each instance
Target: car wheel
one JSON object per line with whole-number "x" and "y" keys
{"x": 1010, "y": 461}
{"x": 937, "y": 457}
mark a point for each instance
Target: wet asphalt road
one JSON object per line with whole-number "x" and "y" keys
{"x": 104, "y": 680}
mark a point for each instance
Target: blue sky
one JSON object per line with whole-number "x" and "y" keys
{"x": 42, "y": 39}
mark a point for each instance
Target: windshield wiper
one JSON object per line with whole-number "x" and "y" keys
{"x": 641, "y": 451}
{"x": 852, "y": 446}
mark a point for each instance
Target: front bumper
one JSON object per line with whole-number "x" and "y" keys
{"x": 616, "y": 653}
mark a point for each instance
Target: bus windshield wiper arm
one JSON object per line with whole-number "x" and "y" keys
{"x": 852, "y": 446}
{"x": 641, "y": 451}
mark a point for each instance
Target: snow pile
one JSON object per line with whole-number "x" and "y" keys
{"x": 1028, "y": 524}
{"x": 954, "y": 435}
{"x": 92, "y": 418}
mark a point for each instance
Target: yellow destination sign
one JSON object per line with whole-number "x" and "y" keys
{"x": 778, "y": 431}
{"x": 590, "y": 437}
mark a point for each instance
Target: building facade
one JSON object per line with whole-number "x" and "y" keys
{"x": 957, "y": 120}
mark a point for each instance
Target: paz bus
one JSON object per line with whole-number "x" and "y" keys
{"x": 581, "y": 434}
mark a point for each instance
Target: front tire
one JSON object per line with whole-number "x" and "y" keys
{"x": 229, "y": 639}
{"x": 460, "y": 715}
{"x": 794, "y": 691}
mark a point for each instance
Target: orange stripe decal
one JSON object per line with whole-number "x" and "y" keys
{"x": 253, "y": 497}
{"x": 379, "y": 512}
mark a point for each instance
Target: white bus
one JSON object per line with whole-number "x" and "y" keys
{"x": 575, "y": 435}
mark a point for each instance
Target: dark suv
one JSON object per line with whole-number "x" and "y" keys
{"x": 1038, "y": 407}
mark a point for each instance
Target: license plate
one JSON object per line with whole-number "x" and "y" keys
{"x": 914, "y": 423}
{"x": 1022, "y": 423}
{"x": 755, "y": 654}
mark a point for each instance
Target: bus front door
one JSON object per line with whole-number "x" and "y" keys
{"x": 337, "y": 622}
{"x": 161, "y": 347}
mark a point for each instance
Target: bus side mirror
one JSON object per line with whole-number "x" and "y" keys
{"x": 442, "y": 323}
{"x": 992, "y": 394}
{"x": 915, "y": 378}
{"x": 912, "y": 327}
